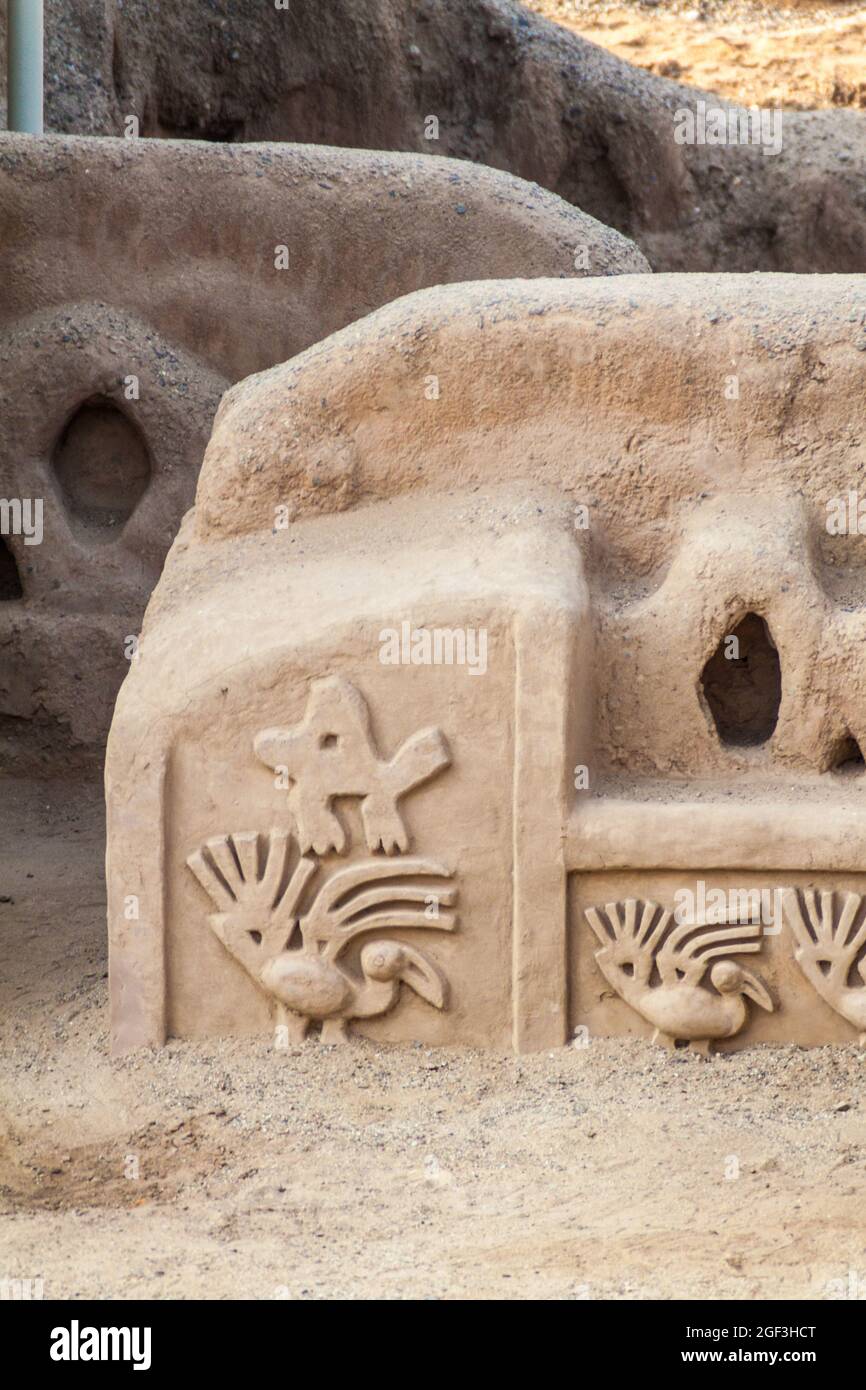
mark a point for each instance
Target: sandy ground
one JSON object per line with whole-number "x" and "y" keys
{"x": 228, "y": 1170}
{"x": 798, "y": 56}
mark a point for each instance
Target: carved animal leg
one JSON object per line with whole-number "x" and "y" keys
{"x": 664, "y": 1040}
{"x": 334, "y": 1030}
{"x": 296, "y": 1025}
{"x": 319, "y": 829}
{"x": 383, "y": 825}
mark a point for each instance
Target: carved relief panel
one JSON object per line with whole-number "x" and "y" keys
{"x": 293, "y": 943}
{"x": 757, "y": 962}
{"x": 673, "y": 697}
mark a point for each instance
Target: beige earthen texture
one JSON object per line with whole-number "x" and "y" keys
{"x": 608, "y": 480}
{"x": 154, "y": 261}
{"x": 508, "y": 88}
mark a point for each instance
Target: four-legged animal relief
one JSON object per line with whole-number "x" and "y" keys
{"x": 332, "y": 753}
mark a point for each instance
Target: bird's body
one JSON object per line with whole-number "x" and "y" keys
{"x": 317, "y": 989}
{"x": 307, "y": 984}
{"x": 851, "y": 1004}
{"x": 688, "y": 1011}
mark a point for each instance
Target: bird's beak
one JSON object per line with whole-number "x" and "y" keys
{"x": 425, "y": 978}
{"x": 754, "y": 989}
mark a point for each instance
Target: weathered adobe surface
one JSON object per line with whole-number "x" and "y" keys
{"x": 703, "y": 424}
{"x": 613, "y": 394}
{"x": 510, "y": 89}
{"x": 155, "y": 260}
{"x": 184, "y": 234}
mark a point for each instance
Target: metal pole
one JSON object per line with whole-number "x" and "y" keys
{"x": 24, "y": 66}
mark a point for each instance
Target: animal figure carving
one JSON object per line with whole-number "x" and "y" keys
{"x": 639, "y": 939}
{"x": 331, "y": 753}
{"x": 295, "y": 956}
{"x": 826, "y": 949}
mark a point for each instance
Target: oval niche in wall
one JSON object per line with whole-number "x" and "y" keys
{"x": 742, "y": 684}
{"x": 102, "y": 466}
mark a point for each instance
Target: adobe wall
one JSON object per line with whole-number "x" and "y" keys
{"x": 508, "y": 88}
{"x": 141, "y": 279}
{"x": 638, "y": 810}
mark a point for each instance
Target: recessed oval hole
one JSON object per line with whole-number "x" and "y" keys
{"x": 742, "y": 684}
{"x": 847, "y": 757}
{"x": 102, "y": 466}
{"x": 10, "y": 579}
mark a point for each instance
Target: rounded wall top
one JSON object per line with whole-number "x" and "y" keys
{"x": 637, "y": 391}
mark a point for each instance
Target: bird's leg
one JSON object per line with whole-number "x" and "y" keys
{"x": 702, "y": 1046}
{"x": 334, "y": 1030}
{"x": 664, "y": 1040}
{"x": 296, "y": 1025}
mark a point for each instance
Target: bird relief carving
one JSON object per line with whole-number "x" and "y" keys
{"x": 657, "y": 965}
{"x": 830, "y": 948}
{"x": 290, "y": 927}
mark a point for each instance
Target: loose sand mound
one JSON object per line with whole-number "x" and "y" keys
{"x": 799, "y": 56}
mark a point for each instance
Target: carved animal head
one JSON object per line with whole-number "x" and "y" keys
{"x": 730, "y": 978}
{"x": 394, "y": 960}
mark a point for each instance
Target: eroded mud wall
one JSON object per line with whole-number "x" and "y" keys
{"x": 507, "y": 89}
{"x": 141, "y": 278}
